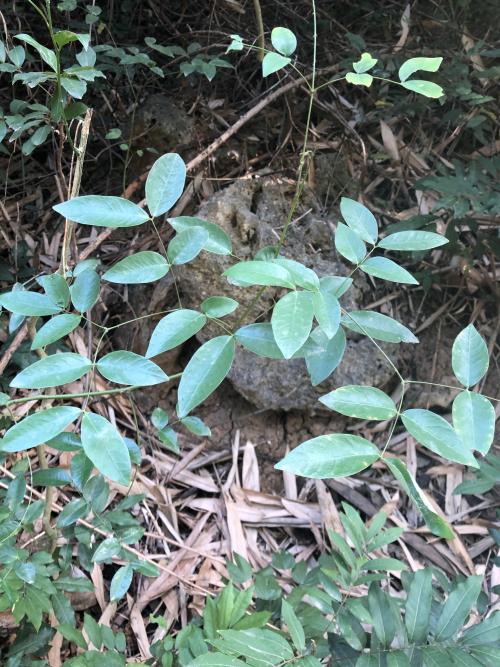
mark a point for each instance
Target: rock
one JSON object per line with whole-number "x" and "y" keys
{"x": 253, "y": 212}
{"x": 160, "y": 123}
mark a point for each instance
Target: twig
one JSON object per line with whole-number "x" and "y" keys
{"x": 75, "y": 189}
{"x": 260, "y": 29}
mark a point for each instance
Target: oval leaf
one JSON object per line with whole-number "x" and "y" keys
{"x": 326, "y": 311}
{"x": 174, "y": 329}
{"x": 327, "y": 456}
{"x": 378, "y": 326}
{"x": 218, "y": 241}
{"x": 218, "y": 306}
{"x": 283, "y": 41}
{"x": 255, "y": 272}
{"x": 52, "y": 371}
{"x": 22, "y": 302}
{"x": 165, "y": 183}
{"x": 102, "y": 211}
{"x": 359, "y": 218}
{"x": 324, "y": 355}
{"x": 206, "y": 369}
{"x": 259, "y": 339}
{"x": 425, "y": 88}
{"x": 125, "y": 367}
{"x": 105, "y": 447}
{"x": 381, "y": 267}
{"x": 55, "y": 329}
{"x": 361, "y": 402}
{"x": 292, "y": 321}
{"x": 85, "y": 290}
{"x": 434, "y": 432}
{"x": 38, "y": 428}
{"x": 348, "y": 244}
{"x": 469, "y": 356}
{"x": 412, "y": 241}
{"x": 186, "y": 245}
{"x": 474, "y": 420}
{"x": 142, "y": 267}
{"x": 120, "y": 583}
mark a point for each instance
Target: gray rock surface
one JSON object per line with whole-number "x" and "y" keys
{"x": 253, "y": 212}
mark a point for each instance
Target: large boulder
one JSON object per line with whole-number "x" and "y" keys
{"x": 252, "y": 212}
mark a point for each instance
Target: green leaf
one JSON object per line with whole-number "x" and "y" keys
{"x": 359, "y": 79}
{"x": 206, "y": 369}
{"x": 216, "y": 660}
{"x": 435, "y": 523}
{"x": 125, "y": 367}
{"x": 38, "y": 428}
{"x": 457, "y": 607}
{"x": 56, "y": 288}
{"x": 74, "y": 87}
{"x": 47, "y": 55}
{"x": 283, "y": 41}
{"x": 378, "y": 326}
{"x": 85, "y": 290}
{"x": 259, "y": 339}
{"x": 63, "y": 37}
{"x": 105, "y": 447}
{"x": 71, "y": 634}
{"x": 51, "y": 477}
{"x": 412, "y": 241}
{"x": 52, "y": 371}
{"x": 326, "y": 311}
{"x": 361, "y": 402}
{"x": 418, "y": 64}
{"x": 365, "y": 63}
{"x": 102, "y": 211}
{"x": 469, "y": 356}
{"x": 22, "y": 302}
{"x": 108, "y": 548}
{"x": 74, "y": 510}
{"x": 165, "y": 183}
{"x": 255, "y": 272}
{"x": 381, "y": 612}
{"x": 418, "y": 606}
{"x": 292, "y": 321}
{"x": 487, "y": 656}
{"x": 186, "y": 245}
{"x": 196, "y": 426}
{"x": 218, "y": 306}
{"x": 141, "y": 267}
{"x": 360, "y": 219}
{"x": 474, "y": 420}
{"x": 289, "y": 617}
{"x": 261, "y": 647}
{"x": 174, "y": 329}
{"x": 300, "y": 274}
{"x": 55, "y": 329}
{"x": 273, "y": 62}
{"x": 381, "y": 267}
{"x": 323, "y": 355}
{"x": 120, "y": 583}
{"x": 425, "y": 88}
{"x": 218, "y": 241}
{"x": 486, "y": 632}
{"x": 435, "y": 433}
{"x": 348, "y": 244}
{"x": 334, "y": 455}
